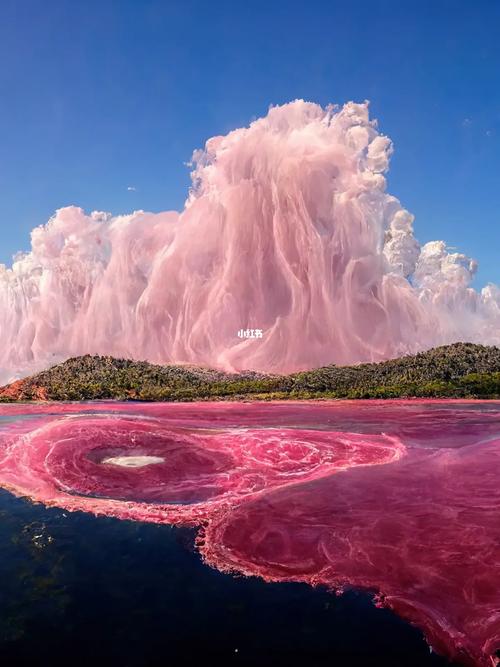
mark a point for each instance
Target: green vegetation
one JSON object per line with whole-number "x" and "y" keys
{"x": 461, "y": 370}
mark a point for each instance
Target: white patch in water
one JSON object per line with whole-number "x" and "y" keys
{"x": 133, "y": 461}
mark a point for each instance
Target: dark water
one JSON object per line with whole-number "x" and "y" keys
{"x": 78, "y": 590}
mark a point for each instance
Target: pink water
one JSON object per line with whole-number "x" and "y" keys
{"x": 400, "y": 498}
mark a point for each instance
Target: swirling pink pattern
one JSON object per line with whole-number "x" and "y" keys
{"x": 74, "y": 460}
{"x": 399, "y": 498}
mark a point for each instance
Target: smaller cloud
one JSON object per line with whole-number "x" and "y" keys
{"x": 489, "y": 133}
{"x": 131, "y": 188}
{"x": 466, "y": 122}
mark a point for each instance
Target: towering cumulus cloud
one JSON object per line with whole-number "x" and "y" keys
{"x": 287, "y": 229}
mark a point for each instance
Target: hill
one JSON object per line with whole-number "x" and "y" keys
{"x": 459, "y": 370}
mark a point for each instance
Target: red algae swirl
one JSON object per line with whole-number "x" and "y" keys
{"x": 398, "y": 498}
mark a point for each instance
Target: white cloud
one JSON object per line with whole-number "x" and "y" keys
{"x": 301, "y": 194}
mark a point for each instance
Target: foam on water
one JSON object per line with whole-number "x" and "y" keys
{"x": 133, "y": 461}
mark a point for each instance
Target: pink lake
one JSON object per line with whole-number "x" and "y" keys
{"x": 400, "y": 498}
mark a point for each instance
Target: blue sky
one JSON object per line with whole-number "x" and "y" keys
{"x": 96, "y": 96}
